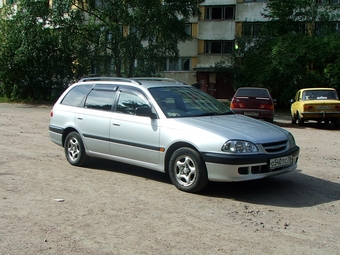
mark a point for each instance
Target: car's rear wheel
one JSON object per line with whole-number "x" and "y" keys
{"x": 187, "y": 170}
{"x": 293, "y": 119}
{"x": 301, "y": 121}
{"x": 75, "y": 150}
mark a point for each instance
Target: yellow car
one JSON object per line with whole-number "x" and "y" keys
{"x": 318, "y": 104}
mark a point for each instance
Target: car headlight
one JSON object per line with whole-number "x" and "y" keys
{"x": 237, "y": 146}
{"x": 291, "y": 140}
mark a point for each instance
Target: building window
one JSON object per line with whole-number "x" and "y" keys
{"x": 322, "y": 28}
{"x": 188, "y": 29}
{"x": 337, "y": 27}
{"x": 321, "y": 2}
{"x": 255, "y": 1}
{"x": 182, "y": 64}
{"x": 220, "y": 12}
{"x": 218, "y": 47}
{"x": 252, "y": 29}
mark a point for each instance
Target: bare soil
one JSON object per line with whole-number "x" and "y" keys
{"x": 48, "y": 206}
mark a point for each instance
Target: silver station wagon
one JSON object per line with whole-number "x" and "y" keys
{"x": 168, "y": 126}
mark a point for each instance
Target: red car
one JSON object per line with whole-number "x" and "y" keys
{"x": 253, "y": 102}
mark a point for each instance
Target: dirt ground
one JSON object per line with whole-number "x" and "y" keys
{"x": 112, "y": 208}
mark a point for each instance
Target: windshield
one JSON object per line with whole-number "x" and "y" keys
{"x": 319, "y": 95}
{"x": 186, "y": 101}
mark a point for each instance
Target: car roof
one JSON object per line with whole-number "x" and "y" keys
{"x": 252, "y": 88}
{"x": 316, "y": 89}
{"x": 147, "y": 82}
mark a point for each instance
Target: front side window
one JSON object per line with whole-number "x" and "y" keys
{"x": 129, "y": 100}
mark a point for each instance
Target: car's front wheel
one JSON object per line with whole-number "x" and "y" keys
{"x": 75, "y": 150}
{"x": 187, "y": 170}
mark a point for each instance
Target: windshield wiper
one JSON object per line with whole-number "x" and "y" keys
{"x": 213, "y": 114}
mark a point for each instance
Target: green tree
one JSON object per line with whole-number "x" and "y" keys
{"x": 298, "y": 47}
{"x": 39, "y": 50}
{"x": 134, "y": 37}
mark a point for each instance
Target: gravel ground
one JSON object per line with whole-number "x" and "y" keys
{"x": 48, "y": 206}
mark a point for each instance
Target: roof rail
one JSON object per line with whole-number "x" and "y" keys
{"x": 158, "y": 79}
{"x": 103, "y": 78}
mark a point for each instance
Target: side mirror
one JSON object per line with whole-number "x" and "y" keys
{"x": 145, "y": 112}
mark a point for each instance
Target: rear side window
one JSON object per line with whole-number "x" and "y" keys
{"x": 100, "y": 100}
{"x": 252, "y": 93}
{"x": 76, "y": 95}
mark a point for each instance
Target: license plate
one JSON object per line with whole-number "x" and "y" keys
{"x": 324, "y": 107}
{"x": 279, "y": 162}
{"x": 251, "y": 113}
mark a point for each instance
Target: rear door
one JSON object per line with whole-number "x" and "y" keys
{"x": 93, "y": 121}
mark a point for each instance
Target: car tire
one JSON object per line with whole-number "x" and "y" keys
{"x": 187, "y": 170}
{"x": 293, "y": 120}
{"x": 301, "y": 121}
{"x": 75, "y": 150}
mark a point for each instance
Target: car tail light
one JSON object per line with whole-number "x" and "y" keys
{"x": 236, "y": 105}
{"x": 266, "y": 106}
{"x": 307, "y": 107}
{"x": 337, "y": 107}
{"x": 51, "y": 113}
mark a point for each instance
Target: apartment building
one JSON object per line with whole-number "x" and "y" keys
{"x": 214, "y": 40}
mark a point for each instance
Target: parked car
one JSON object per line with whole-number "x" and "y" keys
{"x": 253, "y": 102}
{"x": 317, "y": 104}
{"x": 168, "y": 126}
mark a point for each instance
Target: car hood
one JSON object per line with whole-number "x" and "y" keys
{"x": 236, "y": 126}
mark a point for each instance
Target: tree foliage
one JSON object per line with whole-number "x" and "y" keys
{"x": 133, "y": 38}
{"x": 44, "y": 47}
{"x": 39, "y": 49}
{"x": 298, "y": 47}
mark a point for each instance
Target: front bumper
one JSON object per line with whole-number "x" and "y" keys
{"x": 231, "y": 168}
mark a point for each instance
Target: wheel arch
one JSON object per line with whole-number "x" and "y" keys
{"x": 66, "y": 132}
{"x": 173, "y": 148}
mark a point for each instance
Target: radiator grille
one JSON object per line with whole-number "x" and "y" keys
{"x": 275, "y": 147}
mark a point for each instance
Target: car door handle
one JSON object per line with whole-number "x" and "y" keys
{"x": 116, "y": 124}
{"x": 80, "y": 118}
